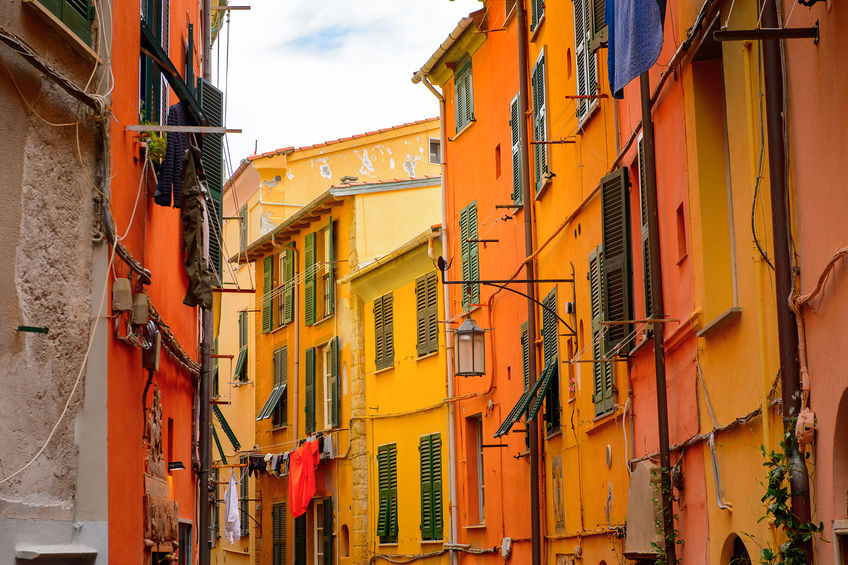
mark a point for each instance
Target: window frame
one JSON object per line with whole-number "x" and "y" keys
{"x": 438, "y": 143}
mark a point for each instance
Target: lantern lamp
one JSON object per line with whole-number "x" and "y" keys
{"x": 470, "y": 350}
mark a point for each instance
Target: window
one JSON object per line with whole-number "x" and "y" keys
{"x": 475, "y": 470}
{"x": 509, "y": 9}
{"x": 384, "y": 332}
{"x": 427, "y": 314}
{"x": 323, "y": 530}
{"x": 585, "y": 59}
{"x": 430, "y": 449}
{"x": 284, "y": 293}
{"x": 278, "y": 523}
{"x": 597, "y": 24}
{"x": 464, "y": 94}
{"x": 615, "y": 272}
{"x": 276, "y": 404}
{"x": 602, "y": 373}
{"x": 309, "y": 399}
{"x": 470, "y": 254}
{"x": 267, "y": 293}
{"x": 244, "y": 503}
{"x": 435, "y": 146}
{"x": 322, "y": 382}
{"x": 184, "y": 544}
{"x": 300, "y": 540}
{"x": 319, "y": 275}
{"x": 515, "y": 132}
{"x": 77, "y": 15}
{"x": 243, "y": 228}
{"x": 540, "y": 122}
{"x": 550, "y": 347}
{"x": 241, "y": 362}
{"x": 155, "y": 15}
{"x": 387, "y": 513}
{"x": 537, "y": 12}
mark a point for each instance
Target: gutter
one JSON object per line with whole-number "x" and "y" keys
{"x": 445, "y": 46}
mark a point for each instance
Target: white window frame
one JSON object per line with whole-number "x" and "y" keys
{"x": 318, "y": 531}
{"x": 430, "y": 143}
{"x": 327, "y": 375}
{"x": 582, "y": 49}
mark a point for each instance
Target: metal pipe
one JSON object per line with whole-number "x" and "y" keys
{"x": 204, "y": 499}
{"x": 532, "y": 427}
{"x": 658, "y": 313}
{"x": 787, "y": 330}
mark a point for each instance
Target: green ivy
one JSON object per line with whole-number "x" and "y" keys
{"x": 778, "y": 508}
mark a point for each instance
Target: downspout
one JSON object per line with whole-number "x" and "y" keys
{"x": 532, "y": 427}
{"x": 295, "y": 388}
{"x": 447, "y": 316}
{"x": 206, "y": 495}
{"x": 787, "y": 329}
{"x": 658, "y": 313}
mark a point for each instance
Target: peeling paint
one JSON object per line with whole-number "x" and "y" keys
{"x": 410, "y": 163}
{"x": 367, "y": 167}
{"x": 392, "y": 163}
{"x": 290, "y": 175}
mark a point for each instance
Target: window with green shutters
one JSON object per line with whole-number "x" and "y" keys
{"x": 537, "y": 12}
{"x": 384, "y": 331}
{"x": 586, "y": 61}
{"x": 278, "y": 526}
{"x": 427, "y": 314}
{"x": 284, "y": 291}
{"x": 646, "y": 257}
{"x": 597, "y": 25}
{"x": 550, "y": 348}
{"x": 241, "y": 361}
{"x": 281, "y": 377}
{"x": 430, "y": 450}
{"x": 150, "y": 82}
{"x": 324, "y": 532}
{"x": 243, "y": 228}
{"x": 212, "y": 157}
{"x": 244, "y": 502}
{"x": 615, "y": 225}
{"x": 309, "y": 400}
{"x": 525, "y": 356}
{"x": 603, "y": 394}
{"x": 470, "y": 251}
{"x": 77, "y": 15}
{"x": 515, "y": 136}
{"x": 387, "y": 511}
{"x": 267, "y": 293}
{"x": 464, "y": 92}
{"x": 309, "y": 279}
{"x": 540, "y": 121}
{"x": 332, "y": 384}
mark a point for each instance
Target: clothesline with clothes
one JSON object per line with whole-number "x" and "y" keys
{"x": 277, "y": 464}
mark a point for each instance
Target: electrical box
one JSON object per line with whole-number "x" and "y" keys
{"x": 141, "y": 312}
{"x": 122, "y": 295}
{"x": 150, "y": 356}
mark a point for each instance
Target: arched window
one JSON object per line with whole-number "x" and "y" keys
{"x": 345, "y": 541}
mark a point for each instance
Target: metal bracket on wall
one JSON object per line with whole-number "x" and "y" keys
{"x": 768, "y": 33}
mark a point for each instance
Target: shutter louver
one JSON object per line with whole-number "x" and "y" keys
{"x": 515, "y": 132}
{"x": 540, "y": 151}
{"x": 426, "y": 488}
{"x": 331, "y": 268}
{"x": 300, "y": 540}
{"x": 427, "y": 314}
{"x": 646, "y": 257}
{"x": 525, "y": 356}
{"x": 278, "y": 518}
{"x": 387, "y": 521}
{"x": 335, "y": 391}
{"x": 309, "y": 279}
{"x": 288, "y": 290}
{"x": 470, "y": 251}
{"x": 379, "y": 338}
{"x": 549, "y": 329}
{"x": 616, "y": 254}
{"x": 328, "y": 530}
{"x": 76, "y": 14}
{"x": 420, "y": 316}
{"x": 212, "y": 157}
{"x": 309, "y": 401}
{"x": 602, "y": 372}
{"x": 389, "y": 330}
{"x": 432, "y": 313}
{"x": 267, "y": 293}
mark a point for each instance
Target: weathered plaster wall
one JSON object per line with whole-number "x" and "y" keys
{"x": 46, "y": 280}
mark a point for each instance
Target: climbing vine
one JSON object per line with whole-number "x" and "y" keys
{"x": 673, "y": 536}
{"x": 778, "y": 509}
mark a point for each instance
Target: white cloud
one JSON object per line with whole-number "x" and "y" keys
{"x": 306, "y": 71}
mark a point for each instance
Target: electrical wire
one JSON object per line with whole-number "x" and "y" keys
{"x": 759, "y": 177}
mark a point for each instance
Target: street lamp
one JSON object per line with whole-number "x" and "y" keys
{"x": 470, "y": 350}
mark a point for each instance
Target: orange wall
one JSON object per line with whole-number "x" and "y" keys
{"x": 154, "y": 239}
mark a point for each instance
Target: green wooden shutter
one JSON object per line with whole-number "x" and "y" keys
{"x": 335, "y": 389}
{"x": 646, "y": 257}
{"x": 515, "y": 132}
{"x": 300, "y": 540}
{"x": 598, "y": 30}
{"x": 212, "y": 157}
{"x": 328, "y": 530}
{"x": 278, "y": 518}
{"x": 388, "y": 330}
{"x": 243, "y": 228}
{"x": 616, "y": 260}
{"x": 525, "y": 356}
{"x": 425, "y": 457}
{"x": 309, "y": 279}
{"x": 244, "y": 503}
{"x": 585, "y": 58}
{"x": 427, "y": 314}
{"x": 76, "y": 14}
{"x": 393, "y": 497}
{"x": 470, "y": 252}
{"x": 226, "y": 427}
{"x": 267, "y": 285}
{"x": 331, "y": 268}
{"x": 602, "y": 372}
{"x": 288, "y": 292}
{"x": 464, "y": 95}
{"x": 309, "y": 400}
{"x": 379, "y": 337}
{"x": 537, "y": 10}
{"x": 549, "y": 328}
{"x": 540, "y": 130}
{"x": 387, "y": 522}
{"x": 382, "y": 510}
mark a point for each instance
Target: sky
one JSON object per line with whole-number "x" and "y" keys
{"x": 304, "y": 71}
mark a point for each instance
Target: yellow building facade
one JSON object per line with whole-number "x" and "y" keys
{"x": 405, "y": 397}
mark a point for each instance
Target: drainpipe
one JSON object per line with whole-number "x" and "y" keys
{"x": 658, "y": 313}
{"x": 454, "y": 538}
{"x": 787, "y": 329}
{"x": 295, "y": 388}
{"x": 532, "y": 427}
{"x": 205, "y": 494}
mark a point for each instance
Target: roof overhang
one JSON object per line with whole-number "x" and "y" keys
{"x": 459, "y": 42}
